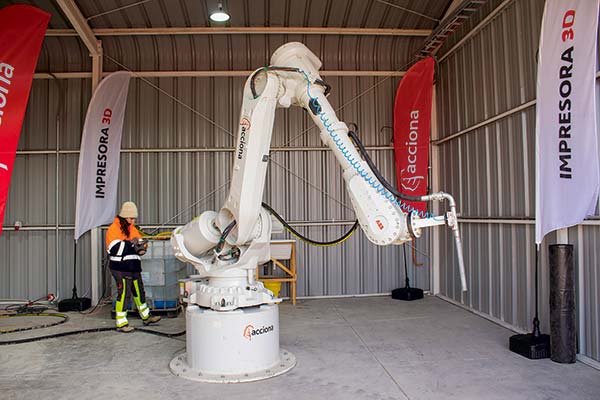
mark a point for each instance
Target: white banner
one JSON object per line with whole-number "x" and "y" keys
{"x": 567, "y": 175}
{"x": 98, "y": 173}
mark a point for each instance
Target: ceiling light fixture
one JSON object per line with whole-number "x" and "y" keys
{"x": 219, "y": 15}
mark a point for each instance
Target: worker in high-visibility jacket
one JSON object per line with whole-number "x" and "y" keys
{"x": 124, "y": 247}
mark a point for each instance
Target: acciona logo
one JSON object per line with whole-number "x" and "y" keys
{"x": 412, "y": 181}
{"x": 249, "y": 331}
{"x": 6, "y": 74}
{"x": 244, "y": 129}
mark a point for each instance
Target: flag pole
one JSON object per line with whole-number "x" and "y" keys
{"x": 407, "y": 293}
{"x": 75, "y": 303}
{"x": 534, "y": 345}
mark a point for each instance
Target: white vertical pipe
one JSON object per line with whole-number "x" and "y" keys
{"x": 581, "y": 289}
{"x": 95, "y": 233}
{"x": 94, "y": 265}
{"x": 435, "y": 176}
{"x": 562, "y": 236}
{"x": 57, "y": 198}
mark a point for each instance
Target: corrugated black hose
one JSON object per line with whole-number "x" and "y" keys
{"x": 378, "y": 175}
{"x": 90, "y": 330}
{"x": 308, "y": 240}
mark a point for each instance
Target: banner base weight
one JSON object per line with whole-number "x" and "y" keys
{"x": 407, "y": 294}
{"x": 527, "y": 345}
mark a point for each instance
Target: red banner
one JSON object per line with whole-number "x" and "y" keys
{"x": 412, "y": 119}
{"x": 22, "y": 30}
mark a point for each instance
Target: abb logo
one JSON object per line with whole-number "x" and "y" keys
{"x": 379, "y": 224}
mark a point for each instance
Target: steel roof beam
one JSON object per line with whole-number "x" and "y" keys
{"x": 208, "y": 74}
{"x": 235, "y": 31}
{"x": 82, "y": 29}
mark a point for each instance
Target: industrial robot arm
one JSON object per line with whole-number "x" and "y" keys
{"x": 227, "y": 246}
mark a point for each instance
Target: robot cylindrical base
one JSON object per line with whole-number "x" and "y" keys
{"x": 232, "y": 346}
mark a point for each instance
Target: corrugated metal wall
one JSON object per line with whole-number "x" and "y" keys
{"x": 304, "y": 182}
{"x": 491, "y": 172}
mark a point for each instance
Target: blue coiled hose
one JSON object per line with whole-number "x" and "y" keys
{"x": 372, "y": 181}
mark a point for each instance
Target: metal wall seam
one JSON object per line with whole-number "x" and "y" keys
{"x": 193, "y": 150}
{"x": 489, "y": 121}
{"x": 516, "y": 221}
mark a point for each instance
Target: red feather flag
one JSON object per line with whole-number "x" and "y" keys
{"x": 22, "y": 30}
{"x": 412, "y": 121}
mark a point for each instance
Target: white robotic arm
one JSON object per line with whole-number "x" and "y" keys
{"x": 226, "y": 246}
{"x": 379, "y": 212}
{"x": 232, "y": 321}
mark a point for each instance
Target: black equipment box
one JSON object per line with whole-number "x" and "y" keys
{"x": 77, "y": 304}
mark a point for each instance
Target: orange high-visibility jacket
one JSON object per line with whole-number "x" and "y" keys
{"x": 121, "y": 252}
{"x": 115, "y": 233}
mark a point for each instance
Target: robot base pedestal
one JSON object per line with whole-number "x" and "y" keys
{"x": 232, "y": 346}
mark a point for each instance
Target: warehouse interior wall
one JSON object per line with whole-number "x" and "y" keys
{"x": 176, "y": 162}
{"x": 485, "y": 145}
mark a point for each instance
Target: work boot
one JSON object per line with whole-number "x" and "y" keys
{"x": 152, "y": 320}
{"x": 125, "y": 329}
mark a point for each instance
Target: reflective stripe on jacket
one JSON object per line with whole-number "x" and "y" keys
{"x": 121, "y": 252}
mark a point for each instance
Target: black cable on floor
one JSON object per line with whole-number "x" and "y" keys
{"x": 163, "y": 334}
{"x": 64, "y": 319}
{"x": 90, "y": 330}
{"x": 105, "y": 286}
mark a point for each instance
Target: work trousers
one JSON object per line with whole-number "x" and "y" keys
{"x": 128, "y": 284}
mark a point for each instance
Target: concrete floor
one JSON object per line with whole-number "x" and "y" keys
{"x": 358, "y": 348}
